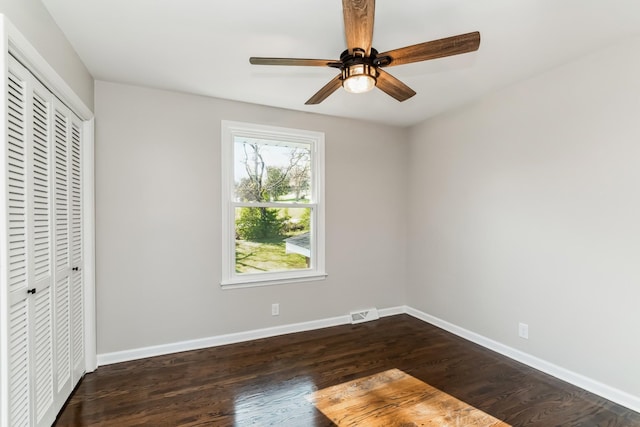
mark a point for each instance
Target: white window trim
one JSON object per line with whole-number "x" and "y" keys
{"x": 230, "y": 279}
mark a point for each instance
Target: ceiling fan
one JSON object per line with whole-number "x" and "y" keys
{"x": 361, "y": 66}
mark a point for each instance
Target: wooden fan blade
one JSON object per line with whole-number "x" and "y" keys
{"x": 295, "y": 61}
{"x": 441, "y": 48}
{"x": 327, "y": 90}
{"x": 393, "y": 87}
{"x": 358, "y": 24}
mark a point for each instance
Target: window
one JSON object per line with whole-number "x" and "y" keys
{"x": 272, "y": 205}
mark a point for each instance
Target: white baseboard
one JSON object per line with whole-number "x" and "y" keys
{"x": 159, "y": 350}
{"x": 615, "y": 395}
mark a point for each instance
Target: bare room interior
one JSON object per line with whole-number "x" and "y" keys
{"x": 456, "y": 245}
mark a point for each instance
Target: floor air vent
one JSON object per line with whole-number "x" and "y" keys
{"x": 364, "y": 315}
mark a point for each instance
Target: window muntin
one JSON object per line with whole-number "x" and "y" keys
{"x": 273, "y": 216}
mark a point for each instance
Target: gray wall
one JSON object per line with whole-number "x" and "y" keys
{"x": 33, "y": 20}
{"x": 521, "y": 208}
{"x": 158, "y": 220}
{"x": 525, "y": 207}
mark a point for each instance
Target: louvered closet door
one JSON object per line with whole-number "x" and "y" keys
{"x": 62, "y": 263}
{"x": 19, "y": 345}
{"x": 76, "y": 249}
{"x": 69, "y": 329}
{"x": 44, "y": 256}
{"x": 40, "y": 236}
{"x": 32, "y": 393}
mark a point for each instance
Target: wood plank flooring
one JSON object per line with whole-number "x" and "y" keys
{"x": 266, "y": 382}
{"x": 394, "y": 397}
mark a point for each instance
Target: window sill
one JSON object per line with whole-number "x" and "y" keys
{"x": 249, "y": 282}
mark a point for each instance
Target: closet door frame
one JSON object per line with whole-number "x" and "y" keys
{"x": 16, "y": 45}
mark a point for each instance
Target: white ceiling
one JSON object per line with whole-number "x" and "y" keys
{"x": 203, "y": 46}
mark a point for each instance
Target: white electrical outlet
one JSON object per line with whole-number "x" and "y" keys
{"x": 523, "y": 330}
{"x": 275, "y": 309}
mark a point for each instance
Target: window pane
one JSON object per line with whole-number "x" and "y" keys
{"x": 271, "y": 171}
{"x": 272, "y": 239}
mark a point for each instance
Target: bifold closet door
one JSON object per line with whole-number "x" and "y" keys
{"x": 68, "y": 284}
{"x": 76, "y": 249}
{"x": 43, "y": 228}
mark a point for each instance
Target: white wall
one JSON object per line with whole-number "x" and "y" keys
{"x": 525, "y": 207}
{"x": 158, "y": 220}
{"x": 34, "y": 21}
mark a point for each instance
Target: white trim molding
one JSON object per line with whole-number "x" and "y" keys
{"x": 615, "y": 395}
{"x": 197, "y": 344}
{"x": 25, "y": 53}
{"x": 314, "y": 142}
{"x": 89, "y": 246}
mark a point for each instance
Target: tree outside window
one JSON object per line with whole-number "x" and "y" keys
{"x": 273, "y": 189}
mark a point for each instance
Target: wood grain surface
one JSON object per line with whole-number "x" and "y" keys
{"x": 394, "y": 398}
{"x": 265, "y": 382}
{"x": 359, "y": 16}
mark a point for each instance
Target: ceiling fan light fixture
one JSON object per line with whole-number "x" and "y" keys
{"x": 361, "y": 66}
{"x": 359, "y": 78}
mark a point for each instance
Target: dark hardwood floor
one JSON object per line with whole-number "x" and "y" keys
{"x": 264, "y": 382}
